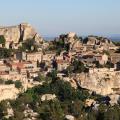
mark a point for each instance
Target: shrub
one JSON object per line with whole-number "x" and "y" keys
{"x": 9, "y": 82}
{"x": 18, "y": 84}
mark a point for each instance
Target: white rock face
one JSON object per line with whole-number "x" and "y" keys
{"x": 8, "y": 92}
{"x": 19, "y": 33}
{"x": 89, "y": 102}
{"x": 104, "y": 82}
{"x": 11, "y": 33}
{"x": 48, "y": 97}
{"x": 114, "y": 99}
{"x": 71, "y": 34}
{"x": 70, "y": 117}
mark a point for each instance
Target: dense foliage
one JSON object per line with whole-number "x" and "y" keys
{"x": 5, "y": 53}
{"x": 2, "y": 40}
{"x": 69, "y": 101}
{"x": 76, "y": 66}
{"x": 29, "y": 45}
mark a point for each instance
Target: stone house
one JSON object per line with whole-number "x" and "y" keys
{"x": 48, "y": 56}
{"x": 102, "y": 58}
{"x": 87, "y": 59}
{"x": 33, "y": 74}
{"x": 20, "y": 56}
{"x": 62, "y": 64}
{"x": 102, "y": 70}
{"x": 4, "y": 75}
{"x": 13, "y": 75}
{"x": 113, "y": 47}
{"x": 27, "y": 67}
{"x": 4, "y": 67}
{"x": 89, "y": 47}
{"x": 115, "y": 57}
{"x": 36, "y": 56}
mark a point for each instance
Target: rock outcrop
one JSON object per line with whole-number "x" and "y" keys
{"x": 19, "y": 33}
{"x": 48, "y": 97}
{"x": 8, "y": 92}
{"x": 99, "y": 42}
{"x": 72, "y": 39}
{"x": 103, "y": 81}
{"x": 93, "y": 40}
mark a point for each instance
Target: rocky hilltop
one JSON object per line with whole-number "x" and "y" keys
{"x": 95, "y": 40}
{"x": 72, "y": 39}
{"x": 19, "y": 33}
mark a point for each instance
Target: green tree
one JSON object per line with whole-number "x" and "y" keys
{"x": 29, "y": 45}
{"x": 106, "y": 52}
{"x": 5, "y": 53}
{"x": 26, "y": 98}
{"x": 53, "y": 75}
{"x": 112, "y": 114}
{"x": 78, "y": 66}
{"x": 18, "y": 115}
{"x": 2, "y": 40}
{"x": 76, "y": 108}
{"x": 3, "y": 108}
{"x": 63, "y": 90}
{"x": 51, "y": 111}
{"x": 69, "y": 70}
{"x": 9, "y": 82}
{"x": 2, "y": 81}
{"x": 18, "y": 84}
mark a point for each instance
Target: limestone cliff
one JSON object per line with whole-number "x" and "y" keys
{"x": 102, "y": 82}
{"x": 19, "y": 33}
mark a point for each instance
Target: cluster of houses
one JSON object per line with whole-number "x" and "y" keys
{"x": 26, "y": 66}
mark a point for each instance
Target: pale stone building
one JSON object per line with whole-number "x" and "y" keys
{"x": 36, "y": 56}
{"x": 62, "y": 64}
{"x": 115, "y": 57}
{"x": 102, "y": 58}
{"x": 4, "y": 67}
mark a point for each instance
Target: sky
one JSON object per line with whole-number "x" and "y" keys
{"x": 53, "y": 17}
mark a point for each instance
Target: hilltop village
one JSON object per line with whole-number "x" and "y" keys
{"x": 92, "y": 63}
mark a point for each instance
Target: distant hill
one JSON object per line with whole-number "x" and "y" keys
{"x": 49, "y": 38}
{"x": 112, "y": 37}
{"x": 115, "y": 38}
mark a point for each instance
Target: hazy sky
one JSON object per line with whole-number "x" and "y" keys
{"x": 53, "y": 17}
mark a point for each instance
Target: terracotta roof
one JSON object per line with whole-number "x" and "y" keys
{"x": 4, "y": 73}
{"x": 62, "y": 61}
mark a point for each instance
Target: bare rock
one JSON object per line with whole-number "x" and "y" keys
{"x": 19, "y": 33}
